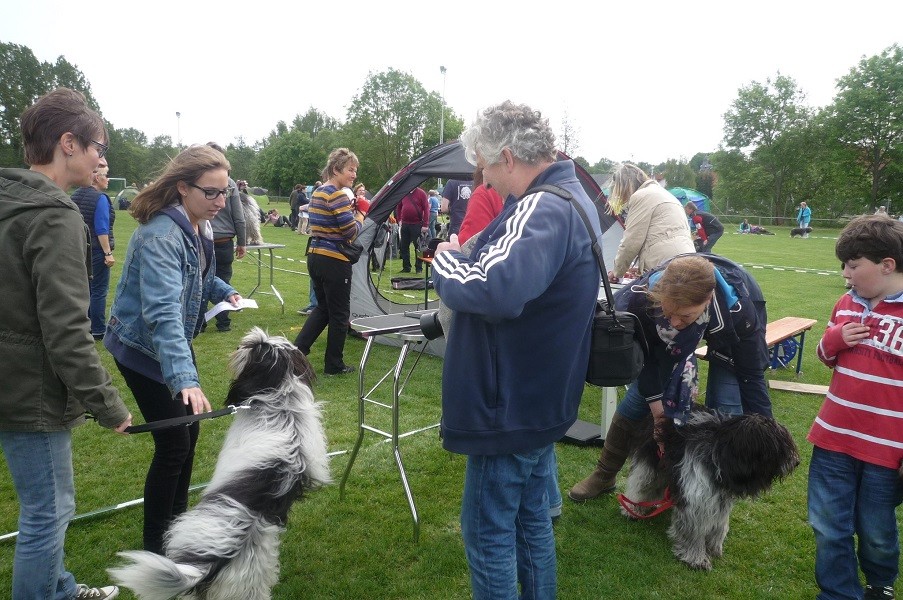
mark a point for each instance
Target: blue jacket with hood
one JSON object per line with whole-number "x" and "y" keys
{"x": 516, "y": 355}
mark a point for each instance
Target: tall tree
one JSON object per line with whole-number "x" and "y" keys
{"x": 388, "y": 122}
{"x": 868, "y": 110}
{"x": 242, "y": 159}
{"x": 315, "y": 122}
{"x": 678, "y": 173}
{"x": 764, "y": 121}
{"x": 288, "y": 159}
{"x": 21, "y": 84}
{"x": 569, "y": 139}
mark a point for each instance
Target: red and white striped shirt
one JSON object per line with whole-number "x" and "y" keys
{"x": 862, "y": 415}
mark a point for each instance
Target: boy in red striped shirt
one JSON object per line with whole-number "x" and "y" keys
{"x": 854, "y": 482}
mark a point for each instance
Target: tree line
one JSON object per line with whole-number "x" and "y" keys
{"x": 777, "y": 151}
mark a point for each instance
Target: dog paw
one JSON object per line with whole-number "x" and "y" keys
{"x": 700, "y": 563}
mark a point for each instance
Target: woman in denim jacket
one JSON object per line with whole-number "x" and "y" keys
{"x": 168, "y": 276}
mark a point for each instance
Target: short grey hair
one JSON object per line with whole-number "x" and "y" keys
{"x": 514, "y": 126}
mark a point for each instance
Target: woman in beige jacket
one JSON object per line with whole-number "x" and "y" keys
{"x": 656, "y": 228}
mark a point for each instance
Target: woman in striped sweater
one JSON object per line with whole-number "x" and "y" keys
{"x": 333, "y": 222}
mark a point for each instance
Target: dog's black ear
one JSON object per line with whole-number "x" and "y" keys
{"x": 302, "y": 368}
{"x": 750, "y": 452}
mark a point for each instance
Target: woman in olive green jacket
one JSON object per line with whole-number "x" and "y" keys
{"x": 49, "y": 364}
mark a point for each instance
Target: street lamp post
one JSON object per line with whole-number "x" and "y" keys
{"x": 442, "y": 114}
{"x": 179, "y": 130}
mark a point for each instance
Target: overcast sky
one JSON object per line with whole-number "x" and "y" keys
{"x": 643, "y": 81}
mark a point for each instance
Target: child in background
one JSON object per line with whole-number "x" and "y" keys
{"x": 854, "y": 485}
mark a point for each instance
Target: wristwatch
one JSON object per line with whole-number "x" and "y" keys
{"x": 108, "y": 254}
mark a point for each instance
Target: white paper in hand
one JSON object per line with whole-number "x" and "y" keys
{"x": 226, "y": 305}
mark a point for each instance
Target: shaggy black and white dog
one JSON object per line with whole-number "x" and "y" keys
{"x": 800, "y": 231}
{"x": 227, "y": 547}
{"x": 708, "y": 463}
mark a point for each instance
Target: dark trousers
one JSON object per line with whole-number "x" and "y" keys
{"x": 225, "y": 256}
{"x": 710, "y": 243}
{"x": 410, "y": 233}
{"x": 331, "y": 280}
{"x": 169, "y": 475}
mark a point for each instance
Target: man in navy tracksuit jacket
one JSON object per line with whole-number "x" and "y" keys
{"x": 516, "y": 355}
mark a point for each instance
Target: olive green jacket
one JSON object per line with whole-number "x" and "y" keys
{"x": 49, "y": 366}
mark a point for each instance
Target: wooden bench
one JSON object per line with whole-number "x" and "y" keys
{"x": 778, "y": 331}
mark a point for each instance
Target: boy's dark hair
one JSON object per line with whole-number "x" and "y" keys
{"x": 874, "y": 237}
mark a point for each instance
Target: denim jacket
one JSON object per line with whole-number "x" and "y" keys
{"x": 159, "y": 298}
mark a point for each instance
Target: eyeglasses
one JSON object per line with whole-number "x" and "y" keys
{"x": 212, "y": 193}
{"x": 101, "y": 148}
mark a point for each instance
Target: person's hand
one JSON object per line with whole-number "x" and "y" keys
{"x": 240, "y": 252}
{"x": 234, "y": 299}
{"x": 612, "y": 278}
{"x": 853, "y": 333}
{"x": 451, "y": 244}
{"x": 124, "y": 425}
{"x": 658, "y": 422}
{"x": 109, "y": 260}
{"x": 424, "y": 230}
{"x": 195, "y": 398}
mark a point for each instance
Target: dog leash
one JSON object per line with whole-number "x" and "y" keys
{"x": 658, "y": 506}
{"x": 186, "y": 420}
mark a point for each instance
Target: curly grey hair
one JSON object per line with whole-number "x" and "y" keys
{"x": 514, "y": 126}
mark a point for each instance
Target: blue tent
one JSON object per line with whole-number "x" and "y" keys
{"x": 685, "y": 195}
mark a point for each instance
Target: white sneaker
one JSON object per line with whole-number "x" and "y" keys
{"x": 105, "y": 593}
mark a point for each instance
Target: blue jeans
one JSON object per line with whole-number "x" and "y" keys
{"x": 722, "y": 393}
{"x": 100, "y": 285}
{"x": 552, "y": 488}
{"x": 846, "y": 497}
{"x": 506, "y": 526}
{"x": 41, "y": 467}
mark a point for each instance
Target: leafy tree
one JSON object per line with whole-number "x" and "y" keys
{"x": 582, "y": 162}
{"x": 393, "y": 119}
{"x": 288, "y": 159}
{"x": 242, "y": 158}
{"x": 22, "y": 83}
{"x": 766, "y": 120}
{"x": 127, "y": 155}
{"x": 678, "y": 173}
{"x": 315, "y": 122}
{"x": 868, "y": 111}
{"x": 159, "y": 153}
{"x": 604, "y": 166}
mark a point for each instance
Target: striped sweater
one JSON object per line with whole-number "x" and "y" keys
{"x": 862, "y": 415}
{"x": 331, "y": 221}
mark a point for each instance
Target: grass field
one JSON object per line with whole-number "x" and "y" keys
{"x": 361, "y": 547}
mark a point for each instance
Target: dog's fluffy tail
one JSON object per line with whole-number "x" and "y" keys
{"x": 154, "y": 577}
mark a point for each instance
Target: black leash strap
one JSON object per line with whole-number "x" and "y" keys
{"x": 175, "y": 422}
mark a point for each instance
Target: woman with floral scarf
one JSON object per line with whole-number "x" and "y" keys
{"x": 680, "y": 303}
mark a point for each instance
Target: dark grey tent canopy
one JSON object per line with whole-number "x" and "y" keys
{"x": 446, "y": 162}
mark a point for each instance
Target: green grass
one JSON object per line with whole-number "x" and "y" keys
{"x": 361, "y": 547}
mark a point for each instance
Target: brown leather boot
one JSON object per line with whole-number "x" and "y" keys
{"x": 618, "y": 444}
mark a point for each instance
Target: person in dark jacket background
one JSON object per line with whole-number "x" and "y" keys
{"x": 99, "y": 215}
{"x": 516, "y": 355}
{"x": 48, "y": 362}
{"x": 712, "y": 229}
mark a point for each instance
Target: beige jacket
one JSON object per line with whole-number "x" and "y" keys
{"x": 656, "y": 229}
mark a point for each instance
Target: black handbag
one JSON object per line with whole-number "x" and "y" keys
{"x": 618, "y": 348}
{"x": 350, "y": 250}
